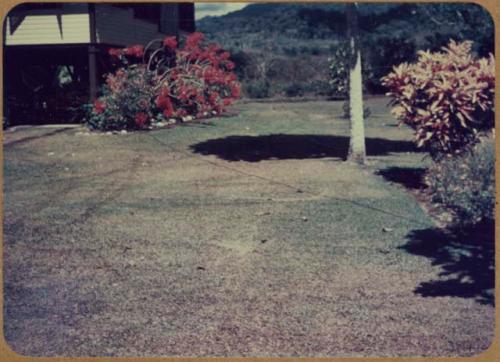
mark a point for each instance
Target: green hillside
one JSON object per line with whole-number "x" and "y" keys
{"x": 280, "y": 46}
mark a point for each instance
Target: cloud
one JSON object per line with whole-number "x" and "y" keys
{"x": 210, "y": 7}
{"x": 216, "y": 9}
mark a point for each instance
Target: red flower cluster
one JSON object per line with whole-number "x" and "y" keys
{"x": 134, "y": 51}
{"x": 115, "y": 52}
{"x": 193, "y": 40}
{"x": 164, "y": 103}
{"x": 141, "y": 119}
{"x": 170, "y": 42}
{"x": 99, "y": 107}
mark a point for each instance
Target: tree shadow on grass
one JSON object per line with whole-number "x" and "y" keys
{"x": 286, "y": 146}
{"x": 410, "y": 177}
{"x": 466, "y": 256}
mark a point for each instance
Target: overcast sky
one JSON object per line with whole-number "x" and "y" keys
{"x": 216, "y": 9}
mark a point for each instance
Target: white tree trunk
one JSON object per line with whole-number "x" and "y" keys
{"x": 357, "y": 151}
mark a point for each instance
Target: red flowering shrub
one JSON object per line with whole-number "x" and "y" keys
{"x": 446, "y": 97}
{"x": 195, "y": 79}
{"x": 126, "y": 100}
{"x": 166, "y": 80}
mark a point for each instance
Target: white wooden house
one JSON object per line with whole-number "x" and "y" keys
{"x": 47, "y": 42}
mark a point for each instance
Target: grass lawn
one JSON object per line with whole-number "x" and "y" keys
{"x": 244, "y": 236}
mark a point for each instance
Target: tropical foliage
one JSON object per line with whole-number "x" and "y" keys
{"x": 447, "y": 97}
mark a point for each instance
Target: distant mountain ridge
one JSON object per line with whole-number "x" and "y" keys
{"x": 285, "y": 48}
{"x": 309, "y": 18}
{"x": 258, "y": 25}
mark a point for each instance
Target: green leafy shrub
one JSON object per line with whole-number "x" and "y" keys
{"x": 383, "y": 53}
{"x": 246, "y": 65}
{"x": 294, "y": 90}
{"x": 257, "y": 89}
{"x": 339, "y": 72}
{"x": 446, "y": 97}
{"x": 320, "y": 87}
{"x": 290, "y": 51}
{"x": 126, "y": 97}
{"x": 466, "y": 183}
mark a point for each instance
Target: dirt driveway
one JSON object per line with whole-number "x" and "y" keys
{"x": 244, "y": 236}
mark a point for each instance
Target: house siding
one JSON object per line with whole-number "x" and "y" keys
{"x": 42, "y": 27}
{"x": 119, "y": 27}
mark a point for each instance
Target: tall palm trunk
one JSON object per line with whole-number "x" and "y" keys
{"x": 357, "y": 151}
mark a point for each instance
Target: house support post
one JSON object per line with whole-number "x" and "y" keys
{"x": 92, "y": 50}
